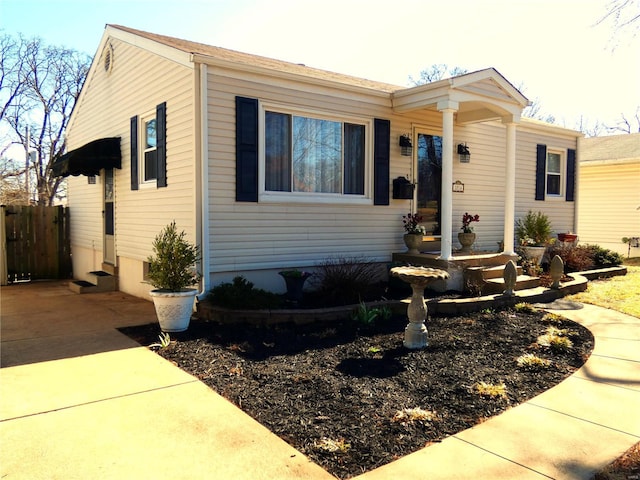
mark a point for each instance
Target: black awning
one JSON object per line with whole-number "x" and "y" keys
{"x": 89, "y": 159}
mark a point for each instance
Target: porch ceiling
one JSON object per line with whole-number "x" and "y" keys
{"x": 479, "y": 96}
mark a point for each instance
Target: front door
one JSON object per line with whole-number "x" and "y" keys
{"x": 429, "y": 177}
{"x": 109, "y": 255}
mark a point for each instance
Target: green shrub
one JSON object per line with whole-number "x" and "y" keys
{"x": 241, "y": 295}
{"x": 603, "y": 257}
{"x": 172, "y": 265}
{"x": 533, "y": 229}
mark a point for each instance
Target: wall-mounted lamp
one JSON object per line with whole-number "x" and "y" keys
{"x": 463, "y": 152}
{"x": 406, "y": 147}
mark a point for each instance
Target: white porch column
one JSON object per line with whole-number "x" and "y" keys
{"x": 510, "y": 188}
{"x": 448, "y": 108}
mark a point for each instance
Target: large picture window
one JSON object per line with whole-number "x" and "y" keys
{"x": 313, "y": 155}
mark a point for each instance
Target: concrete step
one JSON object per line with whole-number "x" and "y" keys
{"x": 98, "y": 281}
{"x": 496, "y": 285}
{"x": 489, "y": 272}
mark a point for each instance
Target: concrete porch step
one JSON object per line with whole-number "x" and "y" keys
{"x": 490, "y": 272}
{"x": 496, "y": 285}
{"x": 98, "y": 282}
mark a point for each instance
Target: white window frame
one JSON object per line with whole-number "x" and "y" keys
{"x": 267, "y": 196}
{"x": 142, "y": 142}
{"x": 561, "y": 174}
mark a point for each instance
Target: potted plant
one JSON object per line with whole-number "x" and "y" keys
{"x": 467, "y": 236}
{"x": 294, "y": 280}
{"x": 533, "y": 232}
{"x": 171, "y": 271}
{"x": 414, "y": 232}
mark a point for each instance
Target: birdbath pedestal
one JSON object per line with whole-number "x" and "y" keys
{"x": 415, "y": 335}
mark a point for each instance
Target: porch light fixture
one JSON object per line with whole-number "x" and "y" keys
{"x": 463, "y": 152}
{"x": 406, "y": 148}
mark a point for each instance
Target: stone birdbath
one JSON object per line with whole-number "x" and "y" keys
{"x": 415, "y": 335}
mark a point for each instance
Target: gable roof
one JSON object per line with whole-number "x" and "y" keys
{"x": 611, "y": 149}
{"x": 210, "y": 54}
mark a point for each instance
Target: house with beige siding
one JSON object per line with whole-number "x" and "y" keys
{"x": 609, "y": 203}
{"x": 269, "y": 165}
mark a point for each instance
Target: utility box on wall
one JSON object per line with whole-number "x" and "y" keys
{"x": 402, "y": 189}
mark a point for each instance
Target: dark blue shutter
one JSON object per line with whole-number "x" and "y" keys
{"x": 541, "y": 169}
{"x": 381, "y": 151}
{"x": 571, "y": 175}
{"x": 134, "y": 153}
{"x": 161, "y": 144}
{"x": 246, "y": 149}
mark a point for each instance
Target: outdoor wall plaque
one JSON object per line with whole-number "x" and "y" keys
{"x": 458, "y": 186}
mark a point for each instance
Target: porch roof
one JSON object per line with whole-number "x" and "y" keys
{"x": 478, "y": 97}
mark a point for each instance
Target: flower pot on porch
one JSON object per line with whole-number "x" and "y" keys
{"x": 174, "y": 308}
{"x": 413, "y": 242}
{"x": 466, "y": 239}
{"x": 567, "y": 237}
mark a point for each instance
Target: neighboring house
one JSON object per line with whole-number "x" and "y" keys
{"x": 609, "y": 201}
{"x": 271, "y": 165}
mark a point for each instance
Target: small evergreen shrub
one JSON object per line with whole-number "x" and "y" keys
{"x": 241, "y": 295}
{"x": 603, "y": 257}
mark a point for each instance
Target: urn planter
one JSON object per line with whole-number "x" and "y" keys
{"x": 466, "y": 240}
{"x": 413, "y": 242}
{"x": 174, "y": 308}
{"x": 295, "y": 284}
{"x": 535, "y": 253}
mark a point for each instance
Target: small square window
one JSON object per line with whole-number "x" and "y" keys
{"x": 91, "y": 179}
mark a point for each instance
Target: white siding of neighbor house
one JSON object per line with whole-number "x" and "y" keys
{"x": 249, "y": 238}
{"x": 610, "y": 205}
{"x": 138, "y": 81}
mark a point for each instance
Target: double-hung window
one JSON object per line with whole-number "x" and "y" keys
{"x": 554, "y": 173}
{"x": 149, "y": 161}
{"x": 306, "y": 155}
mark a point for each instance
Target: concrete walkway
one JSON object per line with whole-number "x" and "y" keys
{"x": 79, "y": 400}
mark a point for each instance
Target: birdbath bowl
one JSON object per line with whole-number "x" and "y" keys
{"x": 416, "y": 335}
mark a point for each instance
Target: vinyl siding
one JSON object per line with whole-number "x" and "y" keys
{"x": 609, "y": 202}
{"x": 138, "y": 81}
{"x": 250, "y": 236}
{"x": 245, "y": 237}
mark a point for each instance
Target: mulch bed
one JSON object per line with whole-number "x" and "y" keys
{"x": 337, "y": 393}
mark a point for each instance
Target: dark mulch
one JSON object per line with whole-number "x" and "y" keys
{"x": 339, "y": 386}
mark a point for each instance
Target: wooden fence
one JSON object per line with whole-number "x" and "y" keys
{"x": 35, "y": 243}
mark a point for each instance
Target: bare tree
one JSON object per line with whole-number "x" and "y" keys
{"x": 41, "y": 88}
{"x": 624, "y": 16}
{"x": 436, "y": 72}
{"x": 627, "y": 124}
{"x": 590, "y": 128}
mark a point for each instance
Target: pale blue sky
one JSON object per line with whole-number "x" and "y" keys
{"x": 551, "y": 46}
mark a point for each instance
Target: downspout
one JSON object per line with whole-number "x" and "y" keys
{"x": 205, "y": 260}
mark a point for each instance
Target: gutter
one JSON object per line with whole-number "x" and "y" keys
{"x": 205, "y": 260}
